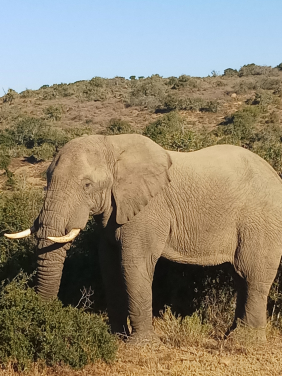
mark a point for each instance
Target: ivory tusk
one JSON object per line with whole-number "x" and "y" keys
{"x": 66, "y": 238}
{"x": 22, "y": 234}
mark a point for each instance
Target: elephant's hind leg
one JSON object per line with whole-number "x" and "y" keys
{"x": 253, "y": 285}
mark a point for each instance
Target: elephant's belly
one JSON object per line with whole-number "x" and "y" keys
{"x": 210, "y": 250}
{"x": 214, "y": 258}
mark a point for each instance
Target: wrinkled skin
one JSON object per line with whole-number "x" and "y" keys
{"x": 220, "y": 204}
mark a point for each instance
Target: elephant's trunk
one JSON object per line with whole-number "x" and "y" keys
{"x": 50, "y": 264}
{"x": 62, "y": 212}
{"x": 52, "y": 221}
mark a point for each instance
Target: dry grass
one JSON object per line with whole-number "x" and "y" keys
{"x": 212, "y": 358}
{"x": 188, "y": 348}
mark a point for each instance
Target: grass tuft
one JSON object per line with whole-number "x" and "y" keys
{"x": 178, "y": 331}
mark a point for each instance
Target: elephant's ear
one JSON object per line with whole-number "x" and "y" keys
{"x": 141, "y": 171}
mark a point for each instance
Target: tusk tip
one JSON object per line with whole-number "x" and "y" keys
{"x": 22, "y": 234}
{"x": 66, "y": 238}
{"x": 10, "y": 236}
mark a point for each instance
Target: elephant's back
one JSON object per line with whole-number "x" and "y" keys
{"x": 228, "y": 169}
{"x": 233, "y": 161}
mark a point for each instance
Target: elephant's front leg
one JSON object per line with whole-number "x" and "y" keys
{"x": 138, "y": 273}
{"x": 117, "y": 304}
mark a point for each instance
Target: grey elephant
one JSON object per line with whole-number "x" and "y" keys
{"x": 220, "y": 204}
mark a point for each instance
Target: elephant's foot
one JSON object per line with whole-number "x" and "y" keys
{"x": 143, "y": 338}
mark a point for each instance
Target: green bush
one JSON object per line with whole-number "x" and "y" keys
{"x": 183, "y": 81}
{"x": 172, "y": 102}
{"x": 163, "y": 130}
{"x": 53, "y": 113}
{"x": 18, "y": 210}
{"x": 279, "y": 66}
{"x": 239, "y": 128}
{"x": 95, "y": 89}
{"x": 179, "y": 332}
{"x": 148, "y": 92}
{"x": 244, "y": 87}
{"x": 118, "y": 126}
{"x": 230, "y": 72}
{"x": 263, "y": 99}
{"x": 171, "y": 133}
{"x": 33, "y": 136}
{"x": 27, "y": 93}
{"x": 5, "y": 159}
{"x": 32, "y": 330}
{"x": 254, "y": 70}
{"x": 29, "y": 132}
{"x": 270, "y": 83}
{"x": 44, "y": 152}
{"x": 10, "y": 96}
{"x": 268, "y": 146}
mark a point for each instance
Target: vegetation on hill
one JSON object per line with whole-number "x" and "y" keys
{"x": 183, "y": 113}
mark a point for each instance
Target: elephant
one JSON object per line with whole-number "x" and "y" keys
{"x": 220, "y": 204}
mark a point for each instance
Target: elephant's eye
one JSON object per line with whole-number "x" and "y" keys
{"x": 87, "y": 186}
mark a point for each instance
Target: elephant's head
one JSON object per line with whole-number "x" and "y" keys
{"x": 93, "y": 175}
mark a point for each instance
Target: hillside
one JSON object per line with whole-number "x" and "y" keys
{"x": 180, "y": 113}
{"x": 94, "y": 106}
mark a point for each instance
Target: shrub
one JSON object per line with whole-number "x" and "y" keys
{"x": 171, "y": 81}
{"x": 94, "y": 89}
{"x": 217, "y": 307}
{"x": 183, "y": 81}
{"x": 210, "y": 106}
{"x": 279, "y": 66}
{"x": 27, "y": 93}
{"x": 170, "y": 132}
{"x": 10, "y": 96}
{"x": 239, "y": 128}
{"x": 270, "y": 83}
{"x": 148, "y": 92}
{"x": 5, "y": 159}
{"x": 118, "y": 126}
{"x": 53, "y": 113}
{"x": 29, "y": 132}
{"x": 178, "y": 331}
{"x": 268, "y": 146}
{"x": 18, "y": 210}
{"x": 33, "y": 136}
{"x": 254, "y": 70}
{"x": 172, "y": 102}
{"x": 56, "y": 91}
{"x": 262, "y": 98}
{"x": 32, "y": 330}
{"x": 274, "y": 117}
{"x": 230, "y": 72}
{"x": 163, "y": 130}
{"x": 215, "y": 73}
{"x": 245, "y": 86}
{"x": 44, "y": 152}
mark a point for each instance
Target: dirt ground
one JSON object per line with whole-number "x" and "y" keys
{"x": 210, "y": 359}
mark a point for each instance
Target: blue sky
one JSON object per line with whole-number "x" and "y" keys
{"x": 54, "y": 41}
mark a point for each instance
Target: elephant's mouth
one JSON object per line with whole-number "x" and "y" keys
{"x": 56, "y": 239}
